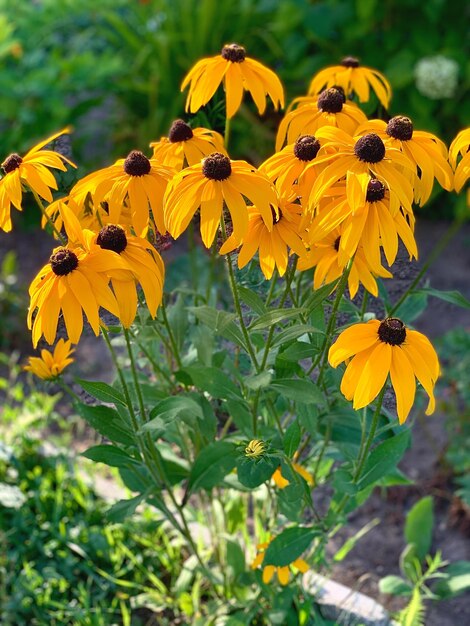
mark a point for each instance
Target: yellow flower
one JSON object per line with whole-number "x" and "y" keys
{"x": 282, "y": 482}
{"x": 330, "y": 108}
{"x": 460, "y": 147}
{"x": 206, "y": 186}
{"x": 186, "y": 146}
{"x": 50, "y": 364}
{"x": 283, "y": 573}
{"x": 325, "y": 257}
{"x": 72, "y": 280}
{"x": 363, "y": 154}
{"x": 255, "y": 448}
{"x": 378, "y": 222}
{"x": 379, "y": 349}
{"x": 31, "y": 171}
{"x": 354, "y": 79}
{"x": 273, "y": 245}
{"x": 237, "y": 72}
{"x": 426, "y": 151}
{"x": 136, "y": 182}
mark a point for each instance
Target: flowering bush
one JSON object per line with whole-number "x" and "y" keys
{"x": 231, "y": 398}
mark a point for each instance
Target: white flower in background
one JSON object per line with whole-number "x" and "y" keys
{"x": 11, "y": 497}
{"x": 436, "y": 77}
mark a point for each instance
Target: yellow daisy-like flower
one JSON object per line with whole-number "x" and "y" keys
{"x": 354, "y": 79}
{"x": 461, "y": 147}
{"x": 373, "y": 225}
{"x": 376, "y": 349}
{"x": 425, "y": 150}
{"x": 283, "y": 573}
{"x": 186, "y": 146}
{"x": 31, "y": 171}
{"x": 366, "y": 154}
{"x": 285, "y": 167}
{"x": 207, "y": 185}
{"x": 330, "y": 109}
{"x": 72, "y": 280}
{"x": 272, "y": 245}
{"x": 255, "y": 448}
{"x": 51, "y": 364}
{"x": 136, "y": 182}
{"x": 237, "y": 72}
{"x": 282, "y": 482}
{"x": 324, "y": 256}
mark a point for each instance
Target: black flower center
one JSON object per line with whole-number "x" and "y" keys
{"x": 216, "y": 166}
{"x": 350, "y": 62}
{"x": 63, "y": 262}
{"x": 392, "y": 331}
{"x": 180, "y": 131}
{"x": 276, "y": 216}
{"x": 370, "y": 148}
{"x": 400, "y": 127}
{"x": 375, "y": 190}
{"x": 233, "y": 52}
{"x": 12, "y": 163}
{"x": 137, "y": 164}
{"x": 306, "y": 148}
{"x": 113, "y": 238}
{"x": 331, "y": 100}
{"x": 336, "y": 243}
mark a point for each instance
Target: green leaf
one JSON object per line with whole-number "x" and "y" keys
{"x": 107, "y": 422}
{"x": 319, "y": 296}
{"x": 254, "y": 472}
{"x": 300, "y": 390}
{"x": 214, "y": 381}
{"x": 102, "y": 391}
{"x": 298, "y": 351}
{"x": 213, "y": 463}
{"x": 235, "y": 559}
{"x": 274, "y": 317}
{"x": 349, "y": 544}
{"x": 252, "y": 299}
{"x": 412, "y": 307}
{"x": 239, "y": 411}
{"x": 457, "y": 580}
{"x": 383, "y": 459}
{"x": 291, "y": 333}
{"x": 109, "y": 455}
{"x": 419, "y": 525}
{"x": 289, "y": 545}
{"x": 454, "y": 297}
{"x": 221, "y": 322}
{"x": 259, "y": 380}
{"x": 292, "y": 438}
{"x": 169, "y": 409}
{"x": 395, "y": 586}
{"x": 124, "y": 508}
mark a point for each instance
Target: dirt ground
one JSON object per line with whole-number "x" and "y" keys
{"x": 377, "y": 554}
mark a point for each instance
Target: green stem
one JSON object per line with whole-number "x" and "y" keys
{"x": 272, "y": 287}
{"x": 68, "y": 389}
{"x": 365, "y": 300}
{"x": 60, "y": 236}
{"x": 156, "y": 367}
{"x": 433, "y": 255}
{"x": 171, "y": 336}
{"x": 138, "y": 390}
{"x": 365, "y": 448}
{"x": 227, "y": 133}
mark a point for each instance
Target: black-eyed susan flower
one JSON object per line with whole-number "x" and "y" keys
{"x": 283, "y": 572}
{"x": 207, "y": 186}
{"x": 186, "y": 146}
{"x": 282, "y": 483}
{"x": 51, "y": 364}
{"x": 354, "y": 79}
{"x": 255, "y": 448}
{"x": 425, "y": 150}
{"x": 237, "y": 72}
{"x": 365, "y": 154}
{"x": 32, "y": 172}
{"x": 285, "y": 167}
{"x": 460, "y": 146}
{"x": 72, "y": 281}
{"x": 135, "y": 183}
{"x": 330, "y": 109}
{"x": 324, "y": 256}
{"x": 272, "y": 245}
{"x": 378, "y": 222}
{"x": 376, "y": 349}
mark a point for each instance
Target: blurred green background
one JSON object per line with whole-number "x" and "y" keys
{"x": 113, "y": 68}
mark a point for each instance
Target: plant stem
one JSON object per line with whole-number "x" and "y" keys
{"x": 170, "y": 334}
{"x": 60, "y": 236}
{"x": 227, "y": 133}
{"x": 365, "y": 448}
{"x": 138, "y": 390}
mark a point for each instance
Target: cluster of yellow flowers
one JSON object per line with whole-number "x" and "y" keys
{"x": 336, "y": 195}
